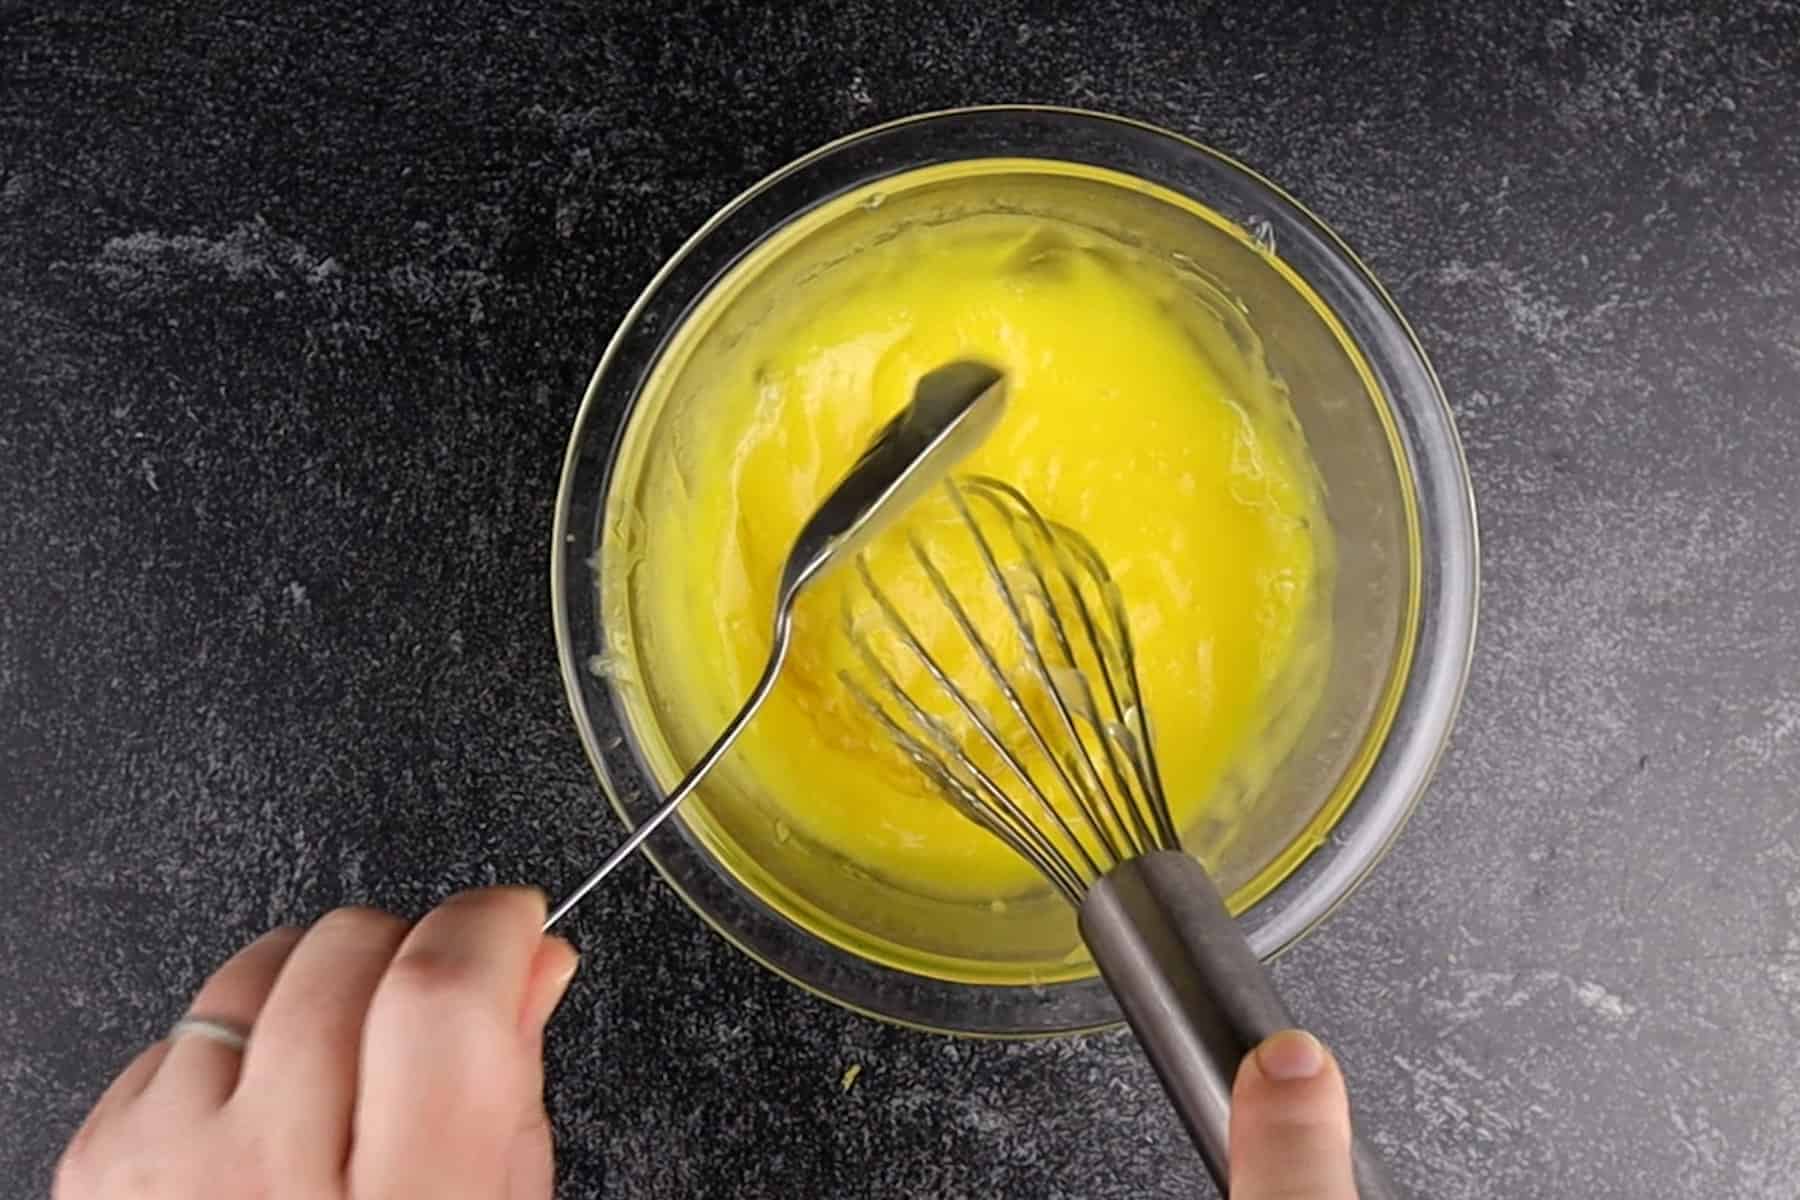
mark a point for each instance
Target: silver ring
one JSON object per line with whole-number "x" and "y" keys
{"x": 227, "y": 1033}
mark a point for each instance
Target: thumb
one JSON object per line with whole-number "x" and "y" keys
{"x": 531, "y": 1168}
{"x": 1290, "y": 1123}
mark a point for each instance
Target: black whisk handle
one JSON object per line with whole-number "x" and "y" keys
{"x": 1194, "y": 993}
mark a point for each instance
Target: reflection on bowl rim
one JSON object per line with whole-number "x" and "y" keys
{"x": 1421, "y": 727}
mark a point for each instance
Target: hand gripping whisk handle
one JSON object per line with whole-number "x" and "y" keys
{"x": 1194, "y": 993}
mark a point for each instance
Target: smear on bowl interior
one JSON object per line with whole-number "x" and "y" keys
{"x": 1138, "y": 414}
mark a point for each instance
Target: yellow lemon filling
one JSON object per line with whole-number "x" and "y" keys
{"x": 1138, "y": 414}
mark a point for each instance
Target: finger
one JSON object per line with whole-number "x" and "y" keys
{"x": 198, "y": 1073}
{"x": 531, "y": 1171}
{"x": 552, "y": 968}
{"x": 1290, "y": 1123}
{"x": 447, "y": 1070}
{"x": 132, "y": 1080}
{"x": 119, "y": 1094}
{"x": 299, "y": 1074}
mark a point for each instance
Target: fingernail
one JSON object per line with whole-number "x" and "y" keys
{"x": 1290, "y": 1055}
{"x": 568, "y": 976}
{"x": 558, "y": 974}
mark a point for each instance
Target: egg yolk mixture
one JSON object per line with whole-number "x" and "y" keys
{"x": 1135, "y": 415}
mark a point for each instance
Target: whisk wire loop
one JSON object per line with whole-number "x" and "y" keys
{"x": 1053, "y": 703}
{"x": 1058, "y": 541}
{"x": 951, "y": 762}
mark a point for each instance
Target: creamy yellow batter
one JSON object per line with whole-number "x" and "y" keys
{"x": 1135, "y": 416}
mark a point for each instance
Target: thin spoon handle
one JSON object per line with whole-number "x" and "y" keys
{"x": 1195, "y": 994}
{"x": 707, "y": 762}
{"x": 952, "y": 409}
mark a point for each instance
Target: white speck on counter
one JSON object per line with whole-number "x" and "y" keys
{"x": 1597, "y": 999}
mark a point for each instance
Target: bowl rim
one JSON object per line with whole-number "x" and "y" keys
{"x": 1442, "y": 637}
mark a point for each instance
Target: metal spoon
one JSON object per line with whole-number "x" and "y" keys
{"x": 953, "y": 408}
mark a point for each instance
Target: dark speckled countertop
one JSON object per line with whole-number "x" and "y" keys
{"x": 296, "y": 303}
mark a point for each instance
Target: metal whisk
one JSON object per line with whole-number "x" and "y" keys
{"x": 1025, "y": 712}
{"x": 1079, "y": 793}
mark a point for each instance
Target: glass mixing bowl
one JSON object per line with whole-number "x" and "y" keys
{"x": 1396, "y": 492}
